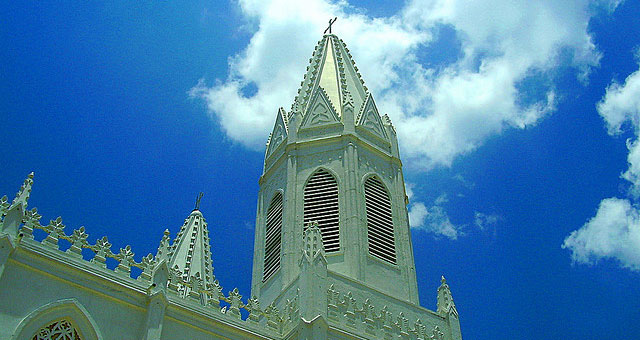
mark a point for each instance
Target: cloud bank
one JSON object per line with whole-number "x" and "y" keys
{"x": 441, "y": 106}
{"x": 432, "y": 219}
{"x": 614, "y": 232}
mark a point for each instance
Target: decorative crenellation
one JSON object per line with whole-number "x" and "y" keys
{"x": 77, "y": 240}
{"x": 187, "y": 287}
{"x": 343, "y": 309}
{"x": 271, "y": 317}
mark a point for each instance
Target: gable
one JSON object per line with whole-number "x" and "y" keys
{"x": 370, "y": 120}
{"x": 279, "y": 132}
{"x": 320, "y": 112}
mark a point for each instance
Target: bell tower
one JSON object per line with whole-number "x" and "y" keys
{"x": 333, "y": 160}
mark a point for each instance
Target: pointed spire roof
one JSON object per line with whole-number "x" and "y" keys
{"x": 22, "y": 197}
{"x": 190, "y": 251}
{"x": 332, "y": 69}
{"x": 445, "y": 300}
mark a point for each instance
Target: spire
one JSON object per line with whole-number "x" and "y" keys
{"x": 445, "y": 300}
{"x": 331, "y": 69}
{"x": 190, "y": 252}
{"x": 23, "y": 194}
{"x": 11, "y": 216}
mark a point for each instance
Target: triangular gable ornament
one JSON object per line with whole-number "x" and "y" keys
{"x": 320, "y": 111}
{"x": 279, "y": 132}
{"x": 369, "y": 118}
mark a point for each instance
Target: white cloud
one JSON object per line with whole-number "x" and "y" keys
{"x": 613, "y": 233}
{"x": 615, "y": 230}
{"x": 619, "y": 107}
{"x": 408, "y": 188}
{"x": 439, "y": 111}
{"x": 621, "y": 104}
{"x": 417, "y": 214}
{"x": 484, "y": 221}
{"x": 433, "y": 219}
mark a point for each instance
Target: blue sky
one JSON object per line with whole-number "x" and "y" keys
{"x": 517, "y": 120}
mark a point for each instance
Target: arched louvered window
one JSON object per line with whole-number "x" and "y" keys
{"x": 379, "y": 220}
{"x": 321, "y": 205}
{"x": 273, "y": 237}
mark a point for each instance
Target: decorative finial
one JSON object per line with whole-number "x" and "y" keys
{"x": 23, "y": 194}
{"x": 443, "y": 280}
{"x": 198, "y": 201}
{"x": 331, "y": 21}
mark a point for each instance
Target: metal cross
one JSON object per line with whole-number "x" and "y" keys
{"x": 198, "y": 201}
{"x": 331, "y": 21}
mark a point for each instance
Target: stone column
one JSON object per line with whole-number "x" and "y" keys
{"x": 155, "y": 316}
{"x": 313, "y": 286}
{"x": 157, "y": 302}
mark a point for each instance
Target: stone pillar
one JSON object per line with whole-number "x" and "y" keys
{"x": 7, "y": 246}
{"x": 454, "y": 326}
{"x": 291, "y": 219}
{"x": 352, "y": 230}
{"x": 313, "y": 286}
{"x": 314, "y": 329}
{"x": 155, "y": 316}
{"x": 157, "y": 302}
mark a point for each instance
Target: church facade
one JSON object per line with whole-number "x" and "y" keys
{"x": 333, "y": 257}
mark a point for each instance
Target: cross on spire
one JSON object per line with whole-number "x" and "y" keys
{"x": 198, "y": 201}
{"x": 331, "y": 21}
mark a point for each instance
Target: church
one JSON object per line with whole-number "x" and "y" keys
{"x": 332, "y": 258}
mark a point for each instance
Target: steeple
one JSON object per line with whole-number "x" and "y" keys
{"x": 333, "y": 161}
{"x": 331, "y": 69}
{"x": 190, "y": 252}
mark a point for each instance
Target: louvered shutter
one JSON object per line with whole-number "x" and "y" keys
{"x": 273, "y": 237}
{"x": 321, "y": 205}
{"x": 379, "y": 221}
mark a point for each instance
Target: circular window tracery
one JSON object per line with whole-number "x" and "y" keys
{"x": 58, "y": 330}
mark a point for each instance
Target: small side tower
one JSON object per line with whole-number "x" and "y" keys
{"x": 189, "y": 256}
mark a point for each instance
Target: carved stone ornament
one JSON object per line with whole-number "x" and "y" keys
{"x": 369, "y": 118}
{"x": 320, "y": 112}
{"x": 58, "y": 330}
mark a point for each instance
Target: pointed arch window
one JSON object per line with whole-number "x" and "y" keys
{"x": 273, "y": 237}
{"x": 321, "y": 205}
{"x": 58, "y": 330}
{"x": 379, "y": 220}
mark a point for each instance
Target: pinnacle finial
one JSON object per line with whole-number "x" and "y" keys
{"x": 25, "y": 191}
{"x": 331, "y": 21}
{"x": 443, "y": 280}
{"x": 312, "y": 237}
{"x": 198, "y": 201}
